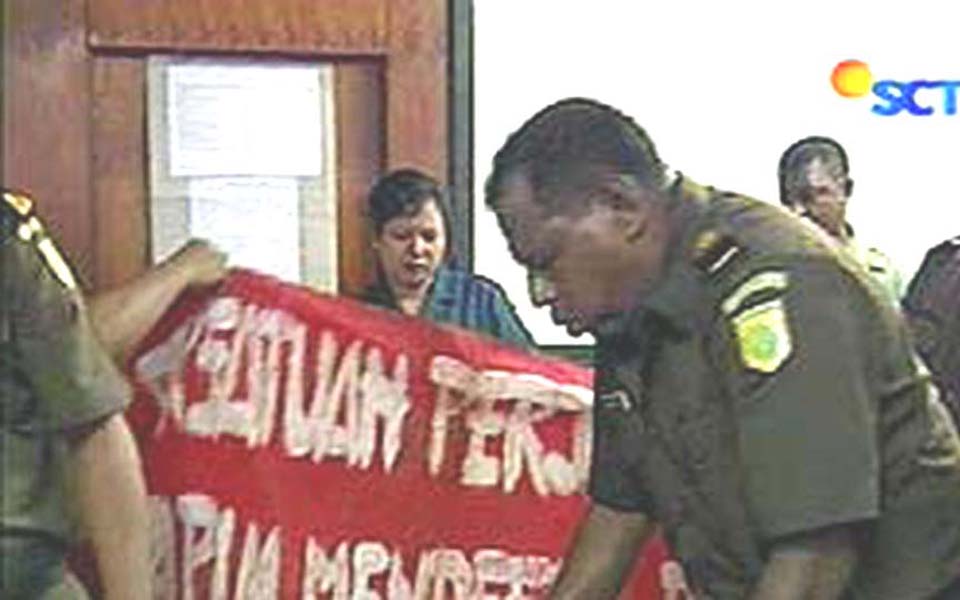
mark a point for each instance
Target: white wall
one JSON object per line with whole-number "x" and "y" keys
{"x": 723, "y": 88}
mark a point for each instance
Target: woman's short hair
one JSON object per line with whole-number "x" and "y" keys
{"x": 402, "y": 193}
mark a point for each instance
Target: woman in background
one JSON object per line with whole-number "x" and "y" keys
{"x": 411, "y": 222}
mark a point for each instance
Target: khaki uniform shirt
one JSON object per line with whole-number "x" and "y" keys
{"x": 764, "y": 389}
{"x": 54, "y": 379}
{"x": 880, "y": 267}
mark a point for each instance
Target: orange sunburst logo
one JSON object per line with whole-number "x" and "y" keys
{"x": 851, "y": 78}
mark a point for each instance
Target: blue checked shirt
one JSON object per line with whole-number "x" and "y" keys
{"x": 465, "y": 300}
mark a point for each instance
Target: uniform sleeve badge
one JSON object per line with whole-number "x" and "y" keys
{"x": 763, "y": 335}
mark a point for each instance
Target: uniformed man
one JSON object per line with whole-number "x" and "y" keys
{"x": 70, "y": 465}
{"x": 814, "y": 177}
{"x": 932, "y": 306}
{"x": 755, "y": 396}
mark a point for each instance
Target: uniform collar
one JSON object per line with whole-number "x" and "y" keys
{"x": 678, "y": 297}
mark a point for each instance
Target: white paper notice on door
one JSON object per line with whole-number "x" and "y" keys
{"x": 244, "y": 120}
{"x": 256, "y": 220}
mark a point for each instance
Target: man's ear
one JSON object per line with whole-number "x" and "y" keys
{"x": 629, "y": 202}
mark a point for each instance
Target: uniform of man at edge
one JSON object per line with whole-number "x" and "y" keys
{"x": 661, "y": 272}
{"x": 103, "y": 493}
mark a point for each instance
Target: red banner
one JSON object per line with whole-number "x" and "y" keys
{"x": 302, "y": 446}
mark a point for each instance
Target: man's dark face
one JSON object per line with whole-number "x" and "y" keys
{"x": 585, "y": 266}
{"x": 819, "y": 192}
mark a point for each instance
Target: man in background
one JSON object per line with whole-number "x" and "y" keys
{"x": 932, "y": 306}
{"x": 70, "y": 466}
{"x": 814, "y": 177}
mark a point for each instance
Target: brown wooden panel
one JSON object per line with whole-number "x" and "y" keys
{"x": 417, "y": 117}
{"x": 360, "y": 128}
{"x": 294, "y": 26}
{"x": 46, "y": 117}
{"x": 119, "y": 172}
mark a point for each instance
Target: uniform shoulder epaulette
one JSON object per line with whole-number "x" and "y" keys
{"x": 877, "y": 261}
{"x": 17, "y": 214}
{"x": 19, "y": 203}
{"x": 713, "y": 250}
{"x": 15, "y": 208}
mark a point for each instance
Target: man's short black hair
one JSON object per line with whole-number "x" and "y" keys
{"x": 803, "y": 152}
{"x": 403, "y": 193}
{"x": 566, "y": 142}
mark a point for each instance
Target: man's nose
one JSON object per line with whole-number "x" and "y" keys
{"x": 541, "y": 289}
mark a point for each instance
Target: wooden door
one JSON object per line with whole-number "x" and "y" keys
{"x": 74, "y": 109}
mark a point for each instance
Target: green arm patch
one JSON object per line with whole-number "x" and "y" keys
{"x": 763, "y": 336}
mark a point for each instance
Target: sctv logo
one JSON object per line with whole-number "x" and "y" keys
{"x": 922, "y": 97}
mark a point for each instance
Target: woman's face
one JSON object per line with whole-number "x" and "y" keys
{"x": 410, "y": 248}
